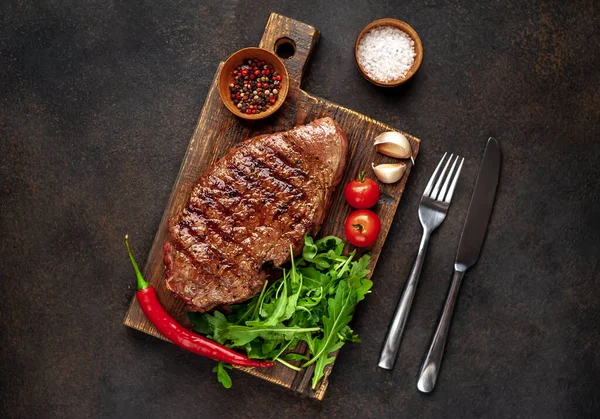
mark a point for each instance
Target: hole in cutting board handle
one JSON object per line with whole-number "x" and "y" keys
{"x": 285, "y": 48}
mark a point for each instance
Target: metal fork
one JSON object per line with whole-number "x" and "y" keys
{"x": 432, "y": 211}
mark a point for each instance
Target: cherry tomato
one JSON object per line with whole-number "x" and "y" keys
{"x": 362, "y": 228}
{"x": 362, "y": 193}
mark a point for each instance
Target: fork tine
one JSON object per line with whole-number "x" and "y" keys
{"x": 432, "y": 179}
{"x": 453, "y": 185}
{"x": 436, "y": 189}
{"x": 440, "y": 197}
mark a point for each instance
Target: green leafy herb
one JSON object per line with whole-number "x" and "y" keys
{"x": 313, "y": 302}
{"x": 222, "y": 375}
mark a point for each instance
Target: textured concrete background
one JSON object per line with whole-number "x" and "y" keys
{"x": 98, "y": 100}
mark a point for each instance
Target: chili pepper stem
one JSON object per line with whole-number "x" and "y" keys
{"x": 141, "y": 282}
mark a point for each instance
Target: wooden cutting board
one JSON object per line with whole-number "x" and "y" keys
{"x": 218, "y": 130}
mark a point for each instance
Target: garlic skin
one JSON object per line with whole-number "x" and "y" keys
{"x": 393, "y": 144}
{"x": 389, "y": 172}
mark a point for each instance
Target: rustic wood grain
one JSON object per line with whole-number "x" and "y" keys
{"x": 218, "y": 130}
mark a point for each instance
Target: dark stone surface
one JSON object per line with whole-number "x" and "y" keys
{"x": 97, "y": 103}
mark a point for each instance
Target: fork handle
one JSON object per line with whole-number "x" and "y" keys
{"x": 431, "y": 365}
{"x": 396, "y": 329}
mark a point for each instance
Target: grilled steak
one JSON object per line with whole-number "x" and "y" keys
{"x": 248, "y": 209}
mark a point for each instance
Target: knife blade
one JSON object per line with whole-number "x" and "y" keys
{"x": 480, "y": 209}
{"x": 469, "y": 248}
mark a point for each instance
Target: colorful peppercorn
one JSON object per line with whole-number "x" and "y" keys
{"x": 254, "y": 86}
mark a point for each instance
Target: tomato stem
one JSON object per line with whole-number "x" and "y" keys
{"x": 361, "y": 177}
{"x": 359, "y": 227}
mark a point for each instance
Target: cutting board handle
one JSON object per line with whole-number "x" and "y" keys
{"x": 283, "y": 36}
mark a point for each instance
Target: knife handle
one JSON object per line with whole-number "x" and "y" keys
{"x": 431, "y": 365}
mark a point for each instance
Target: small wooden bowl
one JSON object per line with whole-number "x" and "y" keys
{"x": 237, "y": 59}
{"x": 404, "y": 27}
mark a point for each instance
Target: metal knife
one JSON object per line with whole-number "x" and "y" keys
{"x": 469, "y": 248}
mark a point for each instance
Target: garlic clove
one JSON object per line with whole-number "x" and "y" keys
{"x": 389, "y": 172}
{"x": 393, "y": 144}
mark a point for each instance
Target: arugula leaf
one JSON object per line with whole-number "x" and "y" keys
{"x": 222, "y": 375}
{"x": 295, "y": 282}
{"x": 311, "y": 299}
{"x": 360, "y": 268}
{"x": 313, "y": 278}
{"x": 278, "y": 309}
{"x": 348, "y": 335}
{"x": 310, "y": 249}
{"x": 335, "y": 327}
{"x": 216, "y": 323}
{"x": 313, "y": 302}
{"x": 240, "y": 335}
{"x": 291, "y": 356}
{"x": 363, "y": 289}
{"x": 322, "y": 362}
{"x": 339, "y": 315}
{"x": 258, "y": 303}
{"x": 330, "y": 242}
{"x": 200, "y": 322}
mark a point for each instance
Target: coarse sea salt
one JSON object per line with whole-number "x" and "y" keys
{"x": 386, "y": 53}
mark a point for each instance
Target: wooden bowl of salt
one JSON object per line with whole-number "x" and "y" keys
{"x": 388, "y": 52}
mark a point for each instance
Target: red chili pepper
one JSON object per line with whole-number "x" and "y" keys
{"x": 179, "y": 335}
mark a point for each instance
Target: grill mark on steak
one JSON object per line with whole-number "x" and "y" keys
{"x": 209, "y": 201}
{"x": 219, "y": 185}
{"x": 228, "y": 271}
{"x": 185, "y": 250}
{"x": 207, "y": 263}
{"x": 226, "y": 205}
{"x": 259, "y": 199}
{"x": 258, "y": 173}
{"x": 262, "y": 179}
{"x": 215, "y": 181}
{"x": 297, "y": 159}
{"x": 271, "y": 174}
{"x": 282, "y": 165}
{"x": 183, "y": 231}
{"x": 236, "y": 205}
{"x": 199, "y": 285}
{"x": 212, "y": 212}
{"x": 213, "y": 227}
